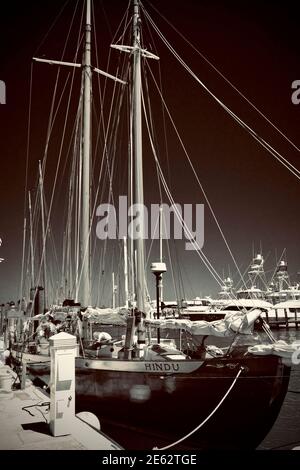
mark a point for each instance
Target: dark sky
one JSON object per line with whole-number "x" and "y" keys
{"x": 255, "y": 45}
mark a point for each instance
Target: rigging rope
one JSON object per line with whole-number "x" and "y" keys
{"x": 26, "y": 179}
{"x": 179, "y": 280}
{"x": 113, "y": 120}
{"x": 51, "y": 27}
{"x": 206, "y": 419}
{"x": 198, "y": 181}
{"x": 259, "y": 139}
{"x": 225, "y": 78}
{"x": 187, "y": 231}
{"x": 177, "y": 212}
{"x": 51, "y": 122}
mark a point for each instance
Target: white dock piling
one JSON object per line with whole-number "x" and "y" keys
{"x": 62, "y": 383}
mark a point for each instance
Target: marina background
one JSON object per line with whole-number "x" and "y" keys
{"x": 255, "y": 45}
{"x": 255, "y": 199}
{"x": 285, "y": 433}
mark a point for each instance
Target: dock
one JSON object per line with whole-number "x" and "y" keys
{"x": 25, "y": 417}
{"x": 286, "y": 319}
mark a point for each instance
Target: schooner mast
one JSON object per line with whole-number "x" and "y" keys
{"x": 84, "y": 286}
{"x": 84, "y": 274}
{"x": 84, "y": 271}
{"x": 138, "y": 197}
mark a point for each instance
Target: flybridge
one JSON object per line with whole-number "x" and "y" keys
{"x": 2, "y": 92}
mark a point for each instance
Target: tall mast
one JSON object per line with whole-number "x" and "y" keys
{"x": 84, "y": 288}
{"x": 31, "y": 239}
{"x": 160, "y": 220}
{"x": 137, "y": 156}
{"x": 44, "y": 235}
{"x": 113, "y": 291}
{"x": 23, "y": 259}
{"x": 126, "y": 273}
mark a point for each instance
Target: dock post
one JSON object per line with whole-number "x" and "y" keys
{"x": 23, "y": 375}
{"x": 276, "y": 315}
{"x": 267, "y": 317}
{"x": 62, "y": 383}
{"x": 286, "y": 318}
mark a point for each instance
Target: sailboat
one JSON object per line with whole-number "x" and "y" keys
{"x": 150, "y": 390}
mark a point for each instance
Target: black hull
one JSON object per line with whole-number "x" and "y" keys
{"x": 147, "y": 410}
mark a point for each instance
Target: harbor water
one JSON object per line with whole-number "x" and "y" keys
{"x": 285, "y": 433}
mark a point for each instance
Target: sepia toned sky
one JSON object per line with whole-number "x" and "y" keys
{"x": 256, "y": 200}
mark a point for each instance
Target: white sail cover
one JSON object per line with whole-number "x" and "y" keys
{"x": 279, "y": 348}
{"x": 107, "y": 316}
{"x": 232, "y": 323}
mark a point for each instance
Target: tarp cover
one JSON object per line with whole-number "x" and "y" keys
{"x": 279, "y": 348}
{"x": 232, "y": 322}
{"x": 106, "y": 316}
